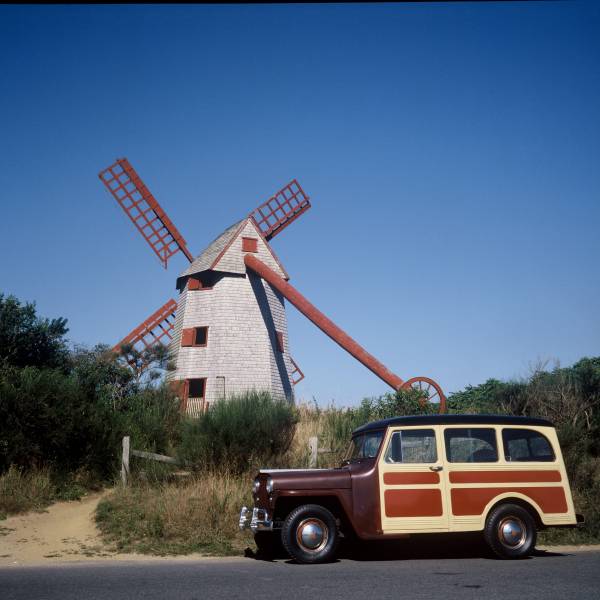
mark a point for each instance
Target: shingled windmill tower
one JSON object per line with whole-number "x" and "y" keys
{"x": 227, "y": 333}
{"x": 231, "y": 329}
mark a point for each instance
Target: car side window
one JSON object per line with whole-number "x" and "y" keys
{"x": 471, "y": 445}
{"x": 412, "y": 446}
{"x": 526, "y": 445}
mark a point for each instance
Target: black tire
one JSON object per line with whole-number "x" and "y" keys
{"x": 298, "y": 541}
{"x": 268, "y": 544}
{"x": 510, "y": 531}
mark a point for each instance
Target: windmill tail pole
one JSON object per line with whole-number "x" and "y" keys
{"x": 326, "y": 325}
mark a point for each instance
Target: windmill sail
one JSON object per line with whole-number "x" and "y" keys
{"x": 156, "y": 329}
{"x": 128, "y": 189}
{"x": 272, "y": 216}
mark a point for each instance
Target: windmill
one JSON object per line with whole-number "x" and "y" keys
{"x": 227, "y": 332}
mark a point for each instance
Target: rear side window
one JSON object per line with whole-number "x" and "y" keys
{"x": 526, "y": 445}
{"x": 412, "y": 446}
{"x": 471, "y": 445}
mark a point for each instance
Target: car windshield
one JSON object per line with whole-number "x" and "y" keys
{"x": 365, "y": 445}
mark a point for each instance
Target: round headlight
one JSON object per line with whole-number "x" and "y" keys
{"x": 269, "y": 484}
{"x": 255, "y": 486}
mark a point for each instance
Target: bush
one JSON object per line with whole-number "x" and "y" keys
{"x": 48, "y": 421}
{"x": 63, "y": 421}
{"x": 239, "y": 432}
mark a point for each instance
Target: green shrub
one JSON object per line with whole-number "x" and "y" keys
{"x": 236, "y": 433}
{"x": 49, "y": 418}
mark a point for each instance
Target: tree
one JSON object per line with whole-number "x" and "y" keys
{"x": 147, "y": 365}
{"x": 29, "y": 340}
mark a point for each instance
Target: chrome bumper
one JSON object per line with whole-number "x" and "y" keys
{"x": 256, "y": 520}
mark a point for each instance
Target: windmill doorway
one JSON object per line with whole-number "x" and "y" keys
{"x": 196, "y": 401}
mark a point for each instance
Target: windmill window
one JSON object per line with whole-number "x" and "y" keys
{"x": 196, "y": 388}
{"x": 200, "y": 336}
{"x": 279, "y": 337}
{"x": 194, "y": 284}
{"x": 249, "y": 244}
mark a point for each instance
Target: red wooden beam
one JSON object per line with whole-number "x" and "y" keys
{"x": 325, "y": 324}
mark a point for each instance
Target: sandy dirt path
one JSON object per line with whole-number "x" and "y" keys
{"x": 64, "y": 531}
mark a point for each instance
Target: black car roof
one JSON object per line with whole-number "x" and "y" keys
{"x": 453, "y": 420}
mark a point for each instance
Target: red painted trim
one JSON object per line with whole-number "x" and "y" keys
{"x": 410, "y": 478}
{"x": 279, "y": 336}
{"x": 504, "y": 476}
{"x": 187, "y": 337}
{"x": 249, "y": 244}
{"x": 179, "y": 387}
{"x": 322, "y": 322}
{"x": 413, "y": 503}
{"x": 197, "y": 287}
{"x": 472, "y": 501}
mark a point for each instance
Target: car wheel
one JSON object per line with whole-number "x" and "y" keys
{"x": 510, "y": 531}
{"x": 310, "y": 534}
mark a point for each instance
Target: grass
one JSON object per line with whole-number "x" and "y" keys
{"x": 197, "y": 515}
{"x": 23, "y": 491}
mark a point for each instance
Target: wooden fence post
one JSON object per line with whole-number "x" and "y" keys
{"x": 313, "y": 447}
{"x": 125, "y": 460}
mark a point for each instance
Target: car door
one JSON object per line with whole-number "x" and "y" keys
{"x": 412, "y": 493}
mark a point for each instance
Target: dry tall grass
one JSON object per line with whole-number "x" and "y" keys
{"x": 34, "y": 489}
{"x": 23, "y": 491}
{"x": 198, "y": 514}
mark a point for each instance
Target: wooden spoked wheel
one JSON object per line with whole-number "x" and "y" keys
{"x": 430, "y": 388}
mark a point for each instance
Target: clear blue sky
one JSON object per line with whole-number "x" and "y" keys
{"x": 451, "y": 152}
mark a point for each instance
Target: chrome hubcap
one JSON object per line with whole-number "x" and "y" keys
{"x": 512, "y": 532}
{"x": 312, "y": 535}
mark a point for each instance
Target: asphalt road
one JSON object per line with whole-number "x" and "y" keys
{"x": 544, "y": 576}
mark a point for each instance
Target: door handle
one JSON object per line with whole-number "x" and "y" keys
{"x": 436, "y": 468}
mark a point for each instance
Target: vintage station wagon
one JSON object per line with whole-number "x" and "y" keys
{"x": 501, "y": 475}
